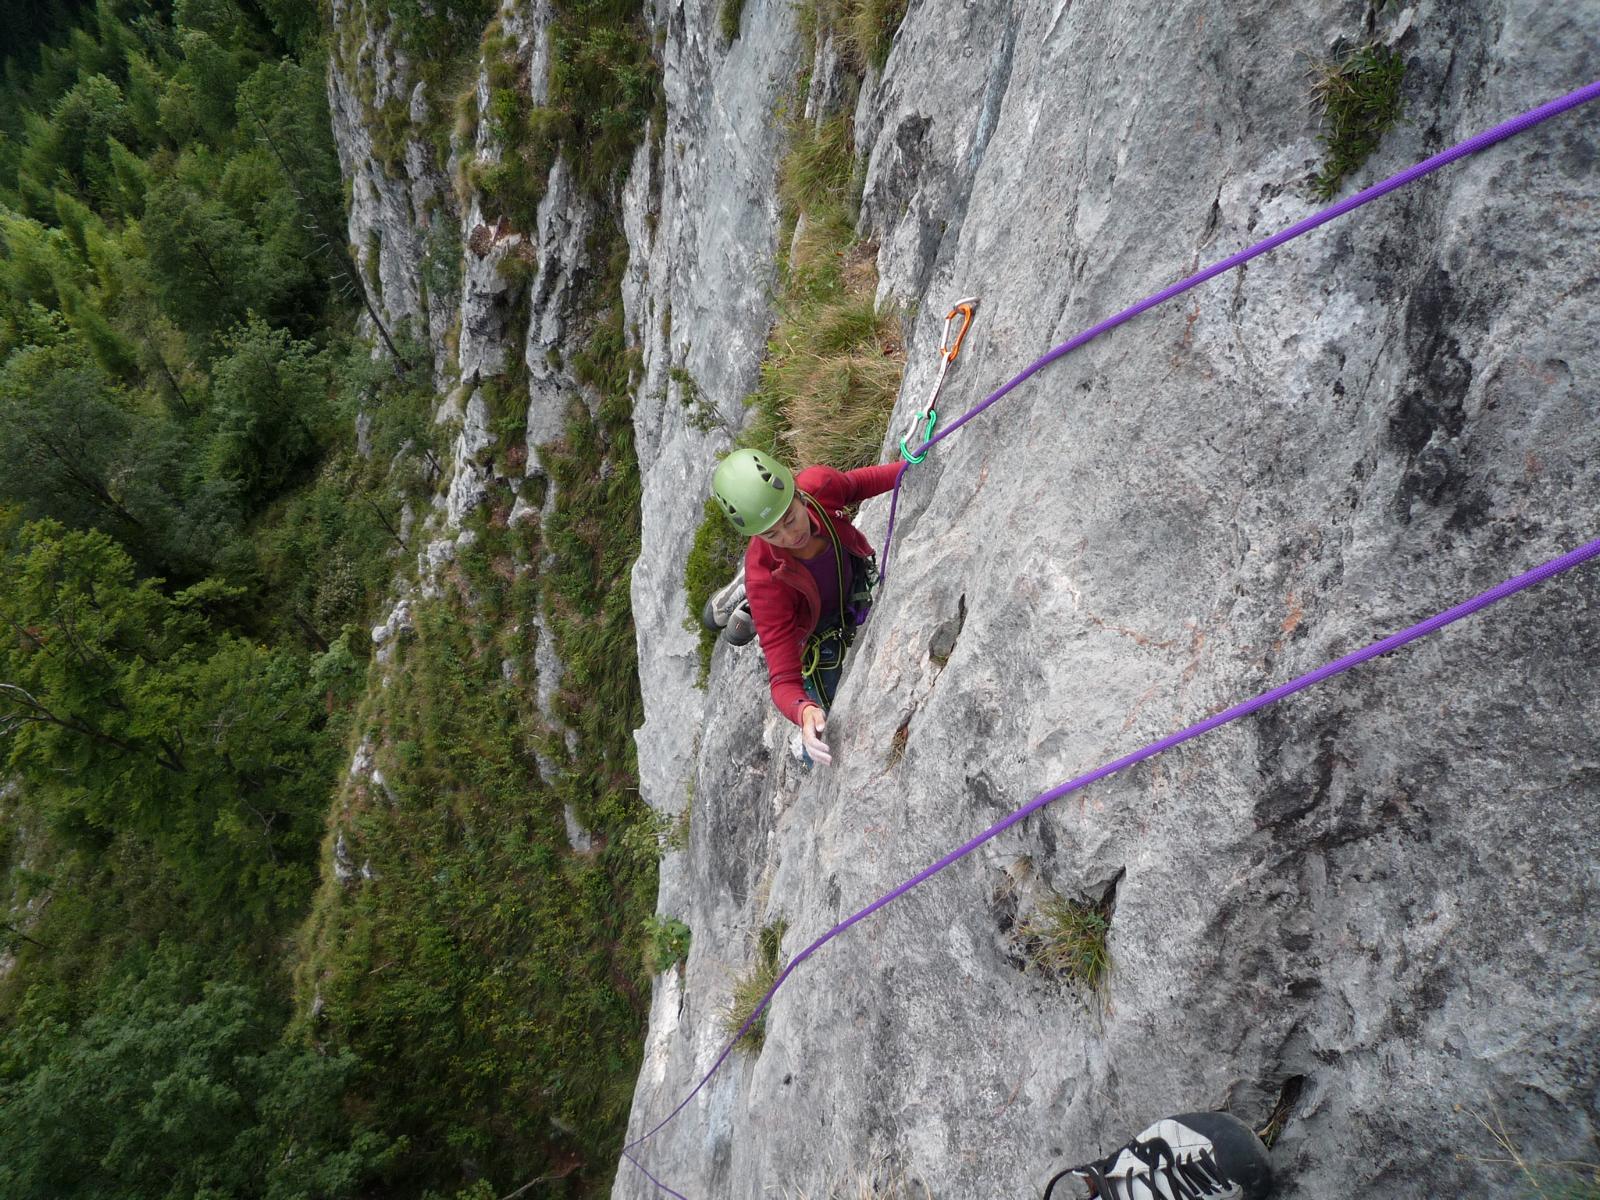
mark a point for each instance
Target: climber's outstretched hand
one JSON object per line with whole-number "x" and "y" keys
{"x": 813, "y": 721}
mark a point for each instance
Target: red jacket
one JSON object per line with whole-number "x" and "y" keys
{"x": 783, "y": 595}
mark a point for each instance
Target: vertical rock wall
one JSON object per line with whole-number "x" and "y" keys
{"x": 410, "y": 226}
{"x": 701, "y": 217}
{"x": 1381, "y": 892}
{"x": 404, "y": 224}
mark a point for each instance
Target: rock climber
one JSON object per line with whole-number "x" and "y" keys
{"x": 806, "y": 583}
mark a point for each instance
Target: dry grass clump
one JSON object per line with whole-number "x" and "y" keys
{"x": 1539, "y": 1180}
{"x": 1067, "y": 938}
{"x": 835, "y": 368}
{"x": 865, "y": 28}
{"x": 816, "y": 173}
{"x": 751, "y": 988}
{"x": 834, "y": 361}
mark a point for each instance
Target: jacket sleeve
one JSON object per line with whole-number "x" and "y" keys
{"x": 840, "y": 488}
{"x": 864, "y": 482}
{"x": 778, "y": 628}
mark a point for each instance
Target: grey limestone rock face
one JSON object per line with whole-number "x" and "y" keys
{"x": 493, "y": 246}
{"x": 566, "y": 219}
{"x": 488, "y": 295}
{"x": 384, "y": 638}
{"x": 1379, "y": 892}
{"x": 702, "y": 224}
{"x": 469, "y": 478}
{"x": 403, "y": 224}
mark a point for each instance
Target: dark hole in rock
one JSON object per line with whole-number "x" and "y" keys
{"x": 1288, "y": 1098}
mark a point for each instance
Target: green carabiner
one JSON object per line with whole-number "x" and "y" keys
{"x": 905, "y": 451}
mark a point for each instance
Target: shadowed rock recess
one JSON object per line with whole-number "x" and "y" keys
{"x": 1382, "y": 892}
{"x": 1370, "y": 908}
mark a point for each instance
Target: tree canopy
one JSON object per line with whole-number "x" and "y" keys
{"x": 177, "y": 1085}
{"x": 210, "y": 476}
{"x": 175, "y": 679}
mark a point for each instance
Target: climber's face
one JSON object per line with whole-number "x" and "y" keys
{"x": 793, "y": 529}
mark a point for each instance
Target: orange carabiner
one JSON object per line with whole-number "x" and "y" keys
{"x": 963, "y": 309}
{"x": 928, "y": 418}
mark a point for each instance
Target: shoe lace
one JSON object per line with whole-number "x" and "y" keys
{"x": 1189, "y": 1176}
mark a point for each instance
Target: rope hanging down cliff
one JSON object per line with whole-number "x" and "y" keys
{"x": 1393, "y": 642}
{"x": 1539, "y": 574}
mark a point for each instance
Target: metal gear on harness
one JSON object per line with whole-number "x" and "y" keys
{"x": 824, "y": 650}
{"x": 928, "y": 418}
{"x": 824, "y": 653}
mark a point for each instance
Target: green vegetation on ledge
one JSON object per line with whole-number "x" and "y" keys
{"x": 729, "y": 17}
{"x": 485, "y": 975}
{"x": 603, "y": 89}
{"x": 752, "y": 987}
{"x": 1067, "y": 938}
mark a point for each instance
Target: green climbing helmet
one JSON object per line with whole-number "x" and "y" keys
{"x": 753, "y": 489}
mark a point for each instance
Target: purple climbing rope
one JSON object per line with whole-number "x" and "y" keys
{"x": 1538, "y": 575}
{"x": 661, "y": 1186}
{"x": 1472, "y": 145}
{"x": 1393, "y": 642}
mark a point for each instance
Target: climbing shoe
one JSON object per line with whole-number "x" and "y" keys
{"x": 723, "y": 601}
{"x": 741, "y": 626}
{"x": 1205, "y": 1156}
{"x": 729, "y": 611}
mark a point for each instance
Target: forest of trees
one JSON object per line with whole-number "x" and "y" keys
{"x": 192, "y": 544}
{"x": 176, "y": 376}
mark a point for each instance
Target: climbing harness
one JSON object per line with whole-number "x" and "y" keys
{"x": 825, "y": 649}
{"x": 824, "y": 654}
{"x": 928, "y": 418}
{"x": 1539, "y": 574}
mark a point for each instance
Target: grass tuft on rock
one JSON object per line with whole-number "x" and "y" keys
{"x": 865, "y": 29}
{"x": 1067, "y": 939}
{"x": 667, "y": 941}
{"x": 714, "y": 559}
{"x": 872, "y": 26}
{"x": 1358, "y": 95}
{"x": 750, "y": 988}
{"x": 816, "y": 171}
{"x": 1535, "y": 1179}
{"x": 833, "y": 371}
